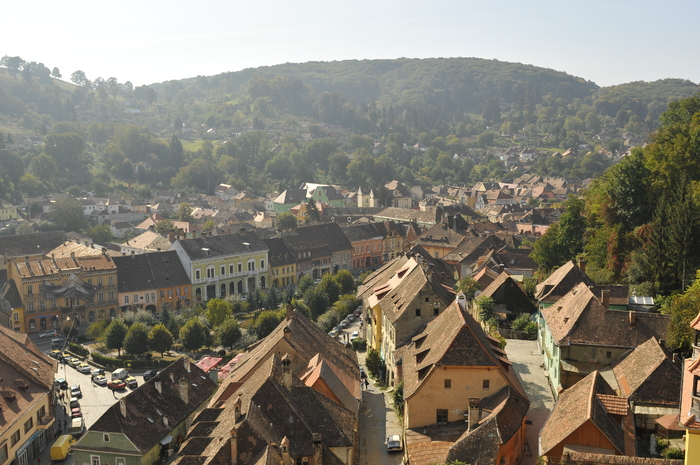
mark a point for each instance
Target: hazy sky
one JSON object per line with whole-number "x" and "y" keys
{"x": 608, "y": 42}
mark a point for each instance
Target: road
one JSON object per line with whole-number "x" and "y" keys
{"x": 527, "y": 361}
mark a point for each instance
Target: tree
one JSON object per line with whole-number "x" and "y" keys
{"x": 67, "y": 213}
{"x": 56, "y": 73}
{"x": 285, "y": 221}
{"x": 79, "y": 79}
{"x": 330, "y": 287}
{"x": 44, "y": 167}
{"x": 114, "y": 335}
{"x": 317, "y": 301}
{"x": 96, "y": 330}
{"x": 267, "y": 321}
{"x": 346, "y": 281}
{"x": 312, "y": 213}
{"x": 229, "y": 332}
{"x": 193, "y": 335}
{"x": 373, "y": 363}
{"x": 160, "y": 339}
{"x": 100, "y": 234}
{"x": 217, "y": 311}
{"x": 165, "y": 316}
{"x": 468, "y": 286}
{"x": 136, "y": 340}
{"x": 184, "y": 211}
{"x": 484, "y": 305}
{"x": 164, "y": 226}
{"x": 683, "y": 309}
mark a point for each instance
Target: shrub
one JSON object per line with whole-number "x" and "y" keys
{"x": 78, "y": 349}
{"x": 673, "y": 453}
{"x": 359, "y": 344}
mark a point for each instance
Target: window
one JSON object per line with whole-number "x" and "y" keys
{"x": 99, "y": 281}
{"x": 448, "y": 384}
{"x": 486, "y": 383}
{"x": 177, "y": 291}
{"x": 101, "y": 297}
{"x": 30, "y": 289}
{"x": 240, "y": 267}
{"x": 121, "y": 461}
{"x": 187, "y": 291}
{"x": 262, "y": 264}
{"x": 223, "y": 270}
{"x": 41, "y": 288}
{"x": 126, "y": 299}
{"x": 441, "y": 416}
{"x": 148, "y": 297}
{"x": 30, "y": 305}
{"x": 15, "y": 438}
{"x": 40, "y": 413}
{"x": 210, "y": 272}
{"x": 418, "y": 312}
{"x": 136, "y": 298}
{"x": 608, "y": 354}
{"x": 196, "y": 274}
{"x": 15, "y": 316}
{"x": 54, "y": 304}
{"x": 111, "y": 280}
{"x": 105, "y": 437}
{"x": 251, "y": 266}
{"x": 95, "y": 459}
{"x": 28, "y": 425}
{"x": 170, "y": 293}
{"x": 153, "y": 296}
{"x": 162, "y": 293}
{"x": 111, "y": 296}
{"x": 89, "y": 281}
{"x": 32, "y": 324}
{"x": 230, "y": 269}
{"x": 427, "y": 299}
{"x": 437, "y": 254}
{"x": 3, "y": 453}
{"x": 42, "y": 304}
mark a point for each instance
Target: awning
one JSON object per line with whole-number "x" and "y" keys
{"x": 670, "y": 422}
{"x": 166, "y": 440}
{"x": 661, "y": 411}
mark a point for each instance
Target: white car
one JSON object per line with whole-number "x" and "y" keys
{"x": 354, "y": 335}
{"x": 100, "y": 380}
{"x": 393, "y": 443}
{"x": 83, "y": 368}
{"x": 49, "y": 333}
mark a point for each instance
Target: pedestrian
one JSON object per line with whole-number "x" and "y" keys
{"x": 366, "y": 383}
{"x": 38, "y": 460}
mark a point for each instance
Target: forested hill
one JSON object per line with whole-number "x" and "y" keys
{"x": 455, "y": 83}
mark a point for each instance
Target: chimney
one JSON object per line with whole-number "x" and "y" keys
{"x": 289, "y": 309}
{"x": 165, "y": 421}
{"x": 237, "y": 408}
{"x": 605, "y": 298}
{"x": 72, "y": 255}
{"x": 633, "y": 318}
{"x": 171, "y": 236}
{"x": 133, "y": 254}
{"x": 473, "y": 412}
{"x": 159, "y": 386}
{"x": 194, "y": 234}
{"x": 287, "y": 371}
{"x": 187, "y": 364}
{"x": 318, "y": 448}
{"x": 122, "y": 406}
{"x": 234, "y": 446}
{"x": 582, "y": 265}
{"x": 183, "y": 388}
{"x": 284, "y": 449}
{"x": 172, "y": 377}
{"x": 675, "y": 358}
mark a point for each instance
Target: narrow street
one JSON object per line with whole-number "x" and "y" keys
{"x": 527, "y": 360}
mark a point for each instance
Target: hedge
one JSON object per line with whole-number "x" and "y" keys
{"x": 133, "y": 364}
{"x": 78, "y": 349}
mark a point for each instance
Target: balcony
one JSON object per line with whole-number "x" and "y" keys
{"x": 45, "y": 422}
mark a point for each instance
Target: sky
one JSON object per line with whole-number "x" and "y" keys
{"x": 608, "y": 42}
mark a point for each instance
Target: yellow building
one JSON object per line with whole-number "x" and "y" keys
{"x": 283, "y": 269}
{"x": 27, "y": 420}
{"x": 54, "y": 290}
{"x": 457, "y": 380}
{"x": 8, "y": 212}
{"x": 690, "y": 399}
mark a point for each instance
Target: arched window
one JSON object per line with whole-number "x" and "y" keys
{"x": 91, "y": 317}
{"x": 223, "y": 290}
{"x": 231, "y": 288}
{"x": 198, "y": 294}
{"x": 42, "y": 323}
{"x": 240, "y": 287}
{"x": 262, "y": 282}
{"x": 32, "y": 324}
{"x": 112, "y": 313}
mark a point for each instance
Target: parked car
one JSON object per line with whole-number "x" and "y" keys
{"x": 49, "y": 333}
{"x": 393, "y": 443}
{"x": 149, "y": 374}
{"x": 357, "y": 313}
{"x": 333, "y": 333}
{"x": 74, "y": 402}
{"x": 76, "y": 412}
{"x": 67, "y": 359}
{"x": 116, "y": 385}
{"x": 55, "y": 353}
{"x": 83, "y": 368}
{"x": 100, "y": 380}
{"x": 97, "y": 372}
{"x": 61, "y": 383}
{"x": 131, "y": 382}
{"x": 350, "y": 318}
{"x": 75, "y": 391}
{"x": 343, "y": 324}
{"x": 354, "y": 335}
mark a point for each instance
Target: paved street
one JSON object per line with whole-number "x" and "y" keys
{"x": 526, "y": 360}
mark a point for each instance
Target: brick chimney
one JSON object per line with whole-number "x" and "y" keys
{"x": 187, "y": 364}
{"x": 289, "y": 311}
{"x": 318, "y": 448}
{"x": 582, "y": 265}
{"x": 633, "y": 318}
{"x": 122, "y": 406}
{"x": 287, "y": 371}
{"x": 233, "y": 442}
{"x": 171, "y": 236}
{"x": 605, "y": 298}
{"x": 237, "y": 408}
{"x": 473, "y": 412}
{"x": 184, "y": 392}
{"x": 159, "y": 386}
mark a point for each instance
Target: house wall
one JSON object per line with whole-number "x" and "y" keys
{"x": 466, "y": 382}
{"x": 232, "y": 264}
{"x": 512, "y": 451}
{"x": 692, "y": 446}
{"x": 365, "y": 250}
{"x": 552, "y": 355}
{"x": 30, "y": 450}
{"x": 588, "y": 354}
{"x": 94, "y": 440}
{"x": 344, "y": 454}
{"x": 587, "y": 435}
{"x": 282, "y": 276}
